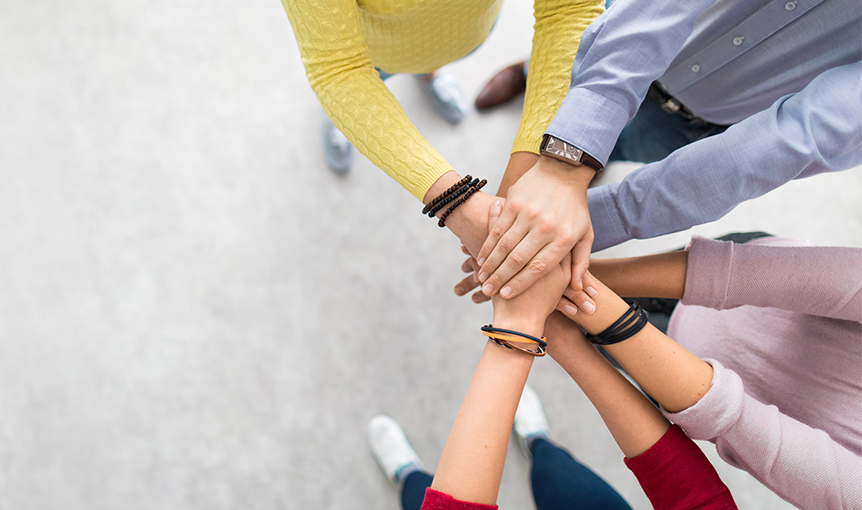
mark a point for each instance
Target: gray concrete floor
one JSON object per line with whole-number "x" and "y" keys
{"x": 195, "y": 313}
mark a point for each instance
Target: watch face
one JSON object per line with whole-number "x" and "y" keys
{"x": 562, "y": 149}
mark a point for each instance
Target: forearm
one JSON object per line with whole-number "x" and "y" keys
{"x": 471, "y": 465}
{"x": 815, "y": 280}
{"x": 661, "y": 276}
{"x": 519, "y": 163}
{"x": 340, "y": 72}
{"x": 550, "y": 70}
{"x": 817, "y": 130}
{"x": 620, "y": 54}
{"x": 673, "y": 376}
{"x": 633, "y": 421}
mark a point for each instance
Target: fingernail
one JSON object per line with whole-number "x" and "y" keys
{"x": 506, "y": 292}
{"x": 591, "y": 292}
{"x": 483, "y": 276}
{"x": 488, "y": 289}
{"x": 497, "y": 204}
{"x": 459, "y": 291}
{"x": 569, "y": 309}
{"x": 588, "y": 307}
{"x": 481, "y": 261}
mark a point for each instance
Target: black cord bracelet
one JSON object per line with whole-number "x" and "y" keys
{"x": 627, "y": 326}
{"x": 491, "y": 329}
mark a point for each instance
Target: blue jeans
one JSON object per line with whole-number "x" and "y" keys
{"x": 557, "y": 479}
{"x": 653, "y": 134}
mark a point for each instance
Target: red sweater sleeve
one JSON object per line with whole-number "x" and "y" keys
{"x": 676, "y": 475}
{"x": 436, "y": 500}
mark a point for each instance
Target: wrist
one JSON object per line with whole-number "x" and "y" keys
{"x": 530, "y": 325}
{"x": 440, "y": 185}
{"x": 578, "y": 177}
{"x": 470, "y": 221}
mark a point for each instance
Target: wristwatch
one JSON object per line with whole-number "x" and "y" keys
{"x": 567, "y": 153}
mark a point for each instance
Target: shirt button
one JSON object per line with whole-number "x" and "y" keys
{"x": 737, "y": 41}
{"x": 789, "y": 6}
{"x": 695, "y": 68}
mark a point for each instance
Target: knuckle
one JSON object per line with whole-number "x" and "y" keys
{"x": 516, "y": 259}
{"x": 497, "y": 232}
{"x": 538, "y": 266}
{"x": 505, "y": 245}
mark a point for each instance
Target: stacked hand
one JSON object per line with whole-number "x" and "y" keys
{"x": 544, "y": 222}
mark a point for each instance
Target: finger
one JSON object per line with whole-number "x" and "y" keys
{"x": 580, "y": 262}
{"x": 590, "y": 286}
{"x": 495, "y": 233}
{"x": 468, "y": 265}
{"x": 544, "y": 262}
{"x": 465, "y": 251}
{"x": 580, "y": 299}
{"x": 510, "y": 255}
{"x": 478, "y": 297}
{"x": 494, "y": 213}
{"x": 567, "y": 308}
{"x": 465, "y": 286}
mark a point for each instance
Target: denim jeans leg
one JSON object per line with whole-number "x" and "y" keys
{"x": 651, "y": 135}
{"x": 413, "y": 490}
{"x": 559, "y": 481}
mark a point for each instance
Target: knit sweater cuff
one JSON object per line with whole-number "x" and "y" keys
{"x": 436, "y": 500}
{"x": 675, "y": 474}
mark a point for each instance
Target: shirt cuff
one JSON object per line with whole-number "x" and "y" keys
{"x": 608, "y": 226}
{"x": 707, "y": 279}
{"x": 715, "y": 412}
{"x": 590, "y": 122}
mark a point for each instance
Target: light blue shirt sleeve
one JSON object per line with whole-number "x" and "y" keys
{"x": 620, "y": 54}
{"x": 816, "y": 130}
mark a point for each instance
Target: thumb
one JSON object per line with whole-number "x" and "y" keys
{"x": 494, "y": 212}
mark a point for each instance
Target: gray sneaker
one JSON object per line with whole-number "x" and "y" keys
{"x": 336, "y": 148}
{"x": 445, "y": 96}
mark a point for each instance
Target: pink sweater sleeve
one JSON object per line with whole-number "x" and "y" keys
{"x": 824, "y": 281}
{"x": 436, "y": 500}
{"x": 801, "y": 464}
{"x": 676, "y": 475}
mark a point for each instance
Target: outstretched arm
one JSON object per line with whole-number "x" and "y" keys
{"x": 671, "y": 469}
{"x": 620, "y": 54}
{"x": 801, "y": 464}
{"x": 471, "y": 465}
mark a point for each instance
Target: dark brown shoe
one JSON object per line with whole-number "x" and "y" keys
{"x": 503, "y": 87}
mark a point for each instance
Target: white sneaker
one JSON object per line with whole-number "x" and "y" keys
{"x": 336, "y": 149}
{"x": 530, "y": 420}
{"x": 445, "y": 96}
{"x": 390, "y": 447}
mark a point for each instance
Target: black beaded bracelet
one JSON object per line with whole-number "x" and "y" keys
{"x": 464, "y": 197}
{"x": 443, "y": 203}
{"x": 446, "y": 193}
{"x": 627, "y": 326}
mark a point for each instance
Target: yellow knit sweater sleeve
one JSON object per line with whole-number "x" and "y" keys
{"x": 352, "y": 94}
{"x": 557, "y": 33}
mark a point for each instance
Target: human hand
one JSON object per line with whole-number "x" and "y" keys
{"x": 545, "y": 218}
{"x": 569, "y": 303}
{"x": 528, "y": 311}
